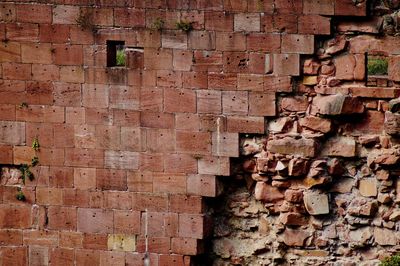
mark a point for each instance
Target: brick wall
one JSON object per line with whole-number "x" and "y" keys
{"x": 117, "y": 141}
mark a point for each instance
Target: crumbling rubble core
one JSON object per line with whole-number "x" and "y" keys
{"x": 323, "y": 187}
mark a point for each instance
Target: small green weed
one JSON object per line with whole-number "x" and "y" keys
{"x": 158, "y": 24}
{"x": 391, "y": 261}
{"x": 185, "y": 26}
{"x": 377, "y": 66}
{"x": 20, "y": 195}
{"x": 121, "y": 57}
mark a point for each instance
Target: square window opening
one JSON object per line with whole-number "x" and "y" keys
{"x": 116, "y": 56}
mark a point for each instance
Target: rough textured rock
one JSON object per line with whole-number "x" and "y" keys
{"x": 339, "y": 146}
{"x": 336, "y": 105}
{"x": 368, "y": 187}
{"x": 267, "y": 193}
{"x": 301, "y": 147}
{"x": 392, "y": 123}
{"x": 316, "y": 203}
{"x": 316, "y": 123}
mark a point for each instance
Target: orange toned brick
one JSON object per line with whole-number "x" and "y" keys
{"x": 45, "y": 72}
{"x": 151, "y": 99}
{"x": 245, "y": 124}
{"x": 84, "y": 157}
{"x": 264, "y": 42}
{"x": 189, "y": 122}
{"x": 121, "y": 160}
{"x": 41, "y": 113}
{"x": 36, "y": 53}
{"x": 61, "y": 218}
{"x": 95, "y": 221}
{"x": 218, "y": 21}
{"x": 126, "y": 222}
{"x": 11, "y": 237}
{"x": 222, "y": 81}
{"x": 107, "y": 179}
{"x": 156, "y": 120}
{"x": 262, "y": 104}
{"x": 193, "y": 142}
{"x": 179, "y": 100}
{"x": 235, "y": 102}
{"x": 67, "y": 94}
{"x": 212, "y": 165}
{"x": 129, "y": 17}
{"x": 54, "y": 33}
{"x": 227, "y": 41}
{"x": 65, "y": 14}
{"x": 8, "y": 12}
{"x": 6, "y": 154}
{"x": 158, "y": 59}
{"x": 35, "y": 13}
{"x": 75, "y": 197}
{"x": 95, "y": 95}
{"x": 87, "y": 257}
{"x": 23, "y": 154}
{"x": 151, "y": 162}
{"x": 49, "y": 196}
{"x": 68, "y": 54}
{"x": 209, "y": 101}
{"x": 169, "y": 183}
{"x": 10, "y": 52}
{"x": 180, "y": 163}
{"x": 62, "y": 256}
{"x": 117, "y": 200}
{"x": 185, "y": 246}
{"x": 74, "y": 74}
{"x": 191, "y": 225}
{"x": 195, "y": 80}
{"x": 70, "y": 239}
{"x": 15, "y": 216}
{"x": 22, "y": 32}
{"x": 150, "y": 201}
{"x": 140, "y": 181}
{"x": 203, "y": 185}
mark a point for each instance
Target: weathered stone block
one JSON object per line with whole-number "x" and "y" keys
{"x": 301, "y": 147}
{"x": 316, "y": 203}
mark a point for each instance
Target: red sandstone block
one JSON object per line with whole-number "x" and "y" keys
{"x": 167, "y": 78}
{"x": 257, "y": 63}
{"x": 150, "y": 201}
{"x": 45, "y": 238}
{"x": 140, "y": 181}
{"x": 14, "y": 255}
{"x": 133, "y": 139}
{"x": 9, "y": 197}
{"x": 207, "y": 61}
{"x": 7, "y": 12}
{"x": 185, "y": 246}
{"x": 61, "y": 177}
{"x": 107, "y": 179}
{"x": 169, "y": 18}
{"x": 206, "y": 5}
{"x": 314, "y": 24}
{"x": 225, "y": 144}
{"x": 63, "y": 135}
{"x": 212, "y": 165}
{"x": 62, "y": 256}
{"x": 348, "y": 8}
{"x": 96, "y": 76}
{"x": 36, "y": 53}
{"x": 49, "y": 196}
{"x": 228, "y": 41}
{"x": 95, "y": 95}
{"x": 68, "y": 54}
{"x": 96, "y": 116}
{"x": 234, "y": 5}
{"x": 70, "y": 239}
{"x": 202, "y": 40}
{"x": 156, "y": 120}
{"x": 160, "y": 140}
{"x": 180, "y": 163}
{"x": 126, "y": 117}
{"x": 9, "y": 237}
{"x": 87, "y": 257}
{"x": 195, "y": 80}
{"x": 277, "y": 84}
{"x": 74, "y": 74}
{"x": 15, "y": 216}
{"x": 194, "y": 16}
{"x": 95, "y": 241}
{"x": 38, "y": 255}
{"x": 82, "y": 36}
{"x": 262, "y": 104}
{"x": 65, "y": 14}
{"x": 263, "y": 42}
{"x": 75, "y": 115}
{"x": 247, "y": 22}
{"x": 6, "y": 154}
{"x": 10, "y": 52}
{"x": 322, "y": 7}
{"x": 121, "y": 160}
{"x": 126, "y": 222}
{"x": 250, "y": 82}
{"x": 108, "y": 137}
{"x": 186, "y": 204}
{"x": 61, "y": 218}
{"x": 7, "y": 112}
{"x": 39, "y": 92}
{"x": 129, "y": 17}
{"x": 85, "y": 136}
{"x": 35, "y": 13}
{"x": 296, "y": 43}
{"x": 151, "y": 162}
{"x": 100, "y": 16}
{"x": 67, "y": 94}
{"x": 182, "y": 60}
{"x": 45, "y": 72}
{"x": 75, "y": 197}
{"x": 288, "y": 7}
{"x": 156, "y": 244}
{"x": 96, "y": 199}
{"x": 52, "y": 156}
{"x": 218, "y": 21}
{"x": 235, "y": 62}
{"x": 177, "y": 260}
{"x": 84, "y": 178}
{"x": 54, "y": 33}
{"x": 112, "y": 258}
{"x": 245, "y": 124}
{"x": 266, "y": 6}
{"x": 151, "y": 99}
{"x": 117, "y": 200}
{"x": 193, "y": 142}
{"x": 209, "y": 101}
{"x": 41, "y": 113}
{"x": 179, "y": 100}
{"x": 13, "y": 133}
{"x": 22, "y": 155}
{"x": 95, "y": 221}
{"x": 286, "y": 64}
{"x": 169, "y": 183}
{"x": 160, "y": 224}
{"x": 191, "y": 225}
{"x": 174, "y": 39}
{"x": 279, "y": 23}
{"x": 16, "y": 71}
{"x": 235, "y": 102}
{"x": 149, "y": 39}
{"x": 222, "y": 81}
{"x": 23, "y": 32}
{"x": 84, "y": 157}
{"x": 158, "y": 59}
{"x": 393, "y": 68}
